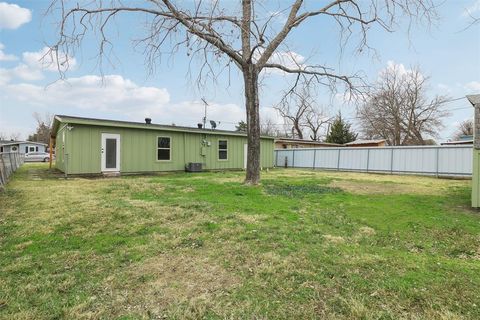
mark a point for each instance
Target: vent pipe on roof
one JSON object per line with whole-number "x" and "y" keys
{"x": 148, "y": 120}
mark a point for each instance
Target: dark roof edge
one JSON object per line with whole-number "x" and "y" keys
{"x": 22, "y": 142}
{"x": 139, "y": 125}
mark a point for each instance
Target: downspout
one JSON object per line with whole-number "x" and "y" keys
{"x": 50, "y": 146}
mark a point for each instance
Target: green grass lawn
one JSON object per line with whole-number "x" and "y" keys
{"x": 302, "y": 245}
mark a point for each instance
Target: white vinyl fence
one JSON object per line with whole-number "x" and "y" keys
{"x": 9, "y": 163}
{"x": 455, "y": 161}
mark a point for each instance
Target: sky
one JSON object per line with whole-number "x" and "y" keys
{"x": 125, "y": 88}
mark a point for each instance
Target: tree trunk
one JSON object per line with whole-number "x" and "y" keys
{"x": 298, "y": 129}
{"x": 250, "y": 77}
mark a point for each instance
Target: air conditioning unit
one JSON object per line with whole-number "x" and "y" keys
{"x": 193, "y": 167}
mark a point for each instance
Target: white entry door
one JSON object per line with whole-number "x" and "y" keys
{"x": 110, "y": 152}
{"x": 245, "y": 153}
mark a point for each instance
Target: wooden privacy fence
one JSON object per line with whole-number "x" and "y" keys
{"x": 454, "y": 161}
{"x": 9, "y": 163}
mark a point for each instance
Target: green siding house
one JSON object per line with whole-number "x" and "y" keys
{"x": 95, "y": 146}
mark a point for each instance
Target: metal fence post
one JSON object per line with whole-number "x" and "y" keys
{"x": 10, "y": 163}
{"x": 391, "y": 162}
{"x": 338, "y": 160}
{"x": 314, "y": 156}
{"x": 368, "y": 158}
{"x": 293, "y": 160}
{"x": 3, "y": 178}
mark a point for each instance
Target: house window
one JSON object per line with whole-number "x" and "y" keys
{"x": 14, "y": 148}
{"x": 163, "y": 148}
{"x": 1, "y": 149}
{"x": 31, "y": 149}
{"x": 26, "y": 149}
{"x": 36, "y": 149}
{"x": 222, "y": 150}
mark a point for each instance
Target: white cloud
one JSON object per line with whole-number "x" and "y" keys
{"x": 119, "y": 98}
{"x": 4, "y": 76}
{"x": 112, "y": 93}
{"x": 472, "y": 9}
{"x": 25, "y": 72}
{"x": 4, "y": 56}
{"x": 46, "y": 60}
{"x": 34, "y": 64}
{"x": 13, "y": 16}
{"x": 399, "y": 68}
{"x": 288, "y": 59}
{"x": 473, "y": 87}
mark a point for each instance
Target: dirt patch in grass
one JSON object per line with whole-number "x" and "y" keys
{"x": 249, "y": 218}
{"x": 298, "y": 190}
{"x": 371, "y": 187}
{"x": 366, "y": 231}
{"x": 156, "y": 287}
{"x": 333, "y": 239}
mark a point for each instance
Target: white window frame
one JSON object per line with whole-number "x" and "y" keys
{"x": 169, "y": 149}
{"x": 218, "y": 149}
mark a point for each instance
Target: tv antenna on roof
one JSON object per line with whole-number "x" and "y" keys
{"x": 205, "y": 116}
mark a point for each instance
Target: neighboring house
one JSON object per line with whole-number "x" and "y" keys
{"x": 468, "y": 139}
{"x": 366, "y": 143}
{"x": 94, "y": 146}
{"x": 290, "y": 143}
{"x": 22, "y": 146}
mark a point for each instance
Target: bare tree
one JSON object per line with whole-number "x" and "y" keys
{"x": 44, "y": 125}
{"x": 300, "y": 110}
{"x": 398, "y": 110}
{"x": 293, "y": 108}
{"x": 268, "y": 128}
{"x": 15, "y": 136}
{"x": 316, "y": 119}
{"x": 464, "y": 128}
{"x": 245, "y": 37}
